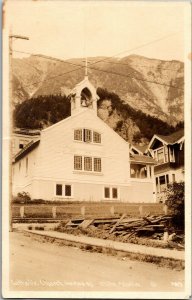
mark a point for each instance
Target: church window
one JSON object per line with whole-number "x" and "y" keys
{"x": 88, "y": 163}
{"x": 96, "y": 137}
{"x": 87, "y": 135}
{"x": 63, "y": 190}
{"x": 78, "y": 134}
{"x": 107, "y": 192}
{"x": 78, "y": 162}
{"x": 111, "y": 193}
{"x": 59, "y": 189}
{"x": 97, "y": 164}
{"x": 114, "y": 193}
{"x": 68, "y": 190}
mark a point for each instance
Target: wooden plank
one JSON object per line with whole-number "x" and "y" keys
{"x": 145, "y": 229}
{"x": 135, "y": 224}
{"x": 128, "y": 220}
{"x": 74, "y": 223}
{"x": 118, "y": 222}
{"x": 155, "y": 226}
{"x": 104, "y": 221}
{"x": 147, "y": 220}
{"x": 86, "y": 223}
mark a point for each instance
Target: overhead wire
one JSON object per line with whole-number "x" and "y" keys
{"x": 101, "y": 60}
{"x": 92, "y": 68}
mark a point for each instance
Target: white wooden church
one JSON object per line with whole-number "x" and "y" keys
{"x": 81, "y": 158}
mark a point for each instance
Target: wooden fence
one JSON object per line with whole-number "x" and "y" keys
{"x": 48, "y": 211}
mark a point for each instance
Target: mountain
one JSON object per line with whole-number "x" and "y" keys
{"x": 134, "y": 78}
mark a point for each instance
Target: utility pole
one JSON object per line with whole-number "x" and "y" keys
{"x": 11, "y": 37}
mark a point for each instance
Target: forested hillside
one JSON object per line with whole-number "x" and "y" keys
{"x": 133, "y": 125}
{"x": 41, "y": 112}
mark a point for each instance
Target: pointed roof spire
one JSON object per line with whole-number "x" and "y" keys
{"x": 86, "y": 67}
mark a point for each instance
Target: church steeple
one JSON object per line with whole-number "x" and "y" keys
{"x": 84, "y": 96}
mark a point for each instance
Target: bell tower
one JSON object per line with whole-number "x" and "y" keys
{"x": 84, "y": 97}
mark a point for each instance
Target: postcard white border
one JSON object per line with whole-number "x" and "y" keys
{"x": 5, "y": 176}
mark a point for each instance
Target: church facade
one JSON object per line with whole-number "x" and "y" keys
{"x": 81, "y": 158}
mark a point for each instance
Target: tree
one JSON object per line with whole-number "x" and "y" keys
{"x": 42, "y": 111}
{"x": 175, "y": 200}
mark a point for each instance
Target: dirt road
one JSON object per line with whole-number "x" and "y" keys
{"x": 44, "y": 266}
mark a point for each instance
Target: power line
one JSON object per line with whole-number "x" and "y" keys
{"x": 102, "y": 60}
{"x": 141, "y": 46}
{"x": 122, "y": 52}
{"x": 99, "y": 61}
{"x": 144, "y": 80}
{"x": 92, "y": 68}
{"x": 130, "y": 65}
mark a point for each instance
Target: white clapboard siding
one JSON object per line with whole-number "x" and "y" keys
{"x": 22, "y": 177}
{"x": 57, "y": 149}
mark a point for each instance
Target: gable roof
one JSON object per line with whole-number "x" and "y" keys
{"x": 167, "y": 139}
{"x": 85, "y": 83}
{"x": 142, "y": 159}
{"x": 33, "y": 144}
{"x": 172, "y": 138}
{"x": 140, "y": 149}
{"x": 89, "y": 111}
{"x": 25, "y": 131}
{"x": 28, "y": 148}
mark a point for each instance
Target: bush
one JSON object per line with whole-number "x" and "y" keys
{"x": 22, "y": 197}
{"x": 175, "y": 200}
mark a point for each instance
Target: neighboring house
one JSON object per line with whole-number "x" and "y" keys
{"x": 168, "y": 151}
{"x": 22, "y": 137}
{"x": 137, "y": 149}
{"x": 81, "y": 158}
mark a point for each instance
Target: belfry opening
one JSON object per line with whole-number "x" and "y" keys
{"x": 86, "y": 97}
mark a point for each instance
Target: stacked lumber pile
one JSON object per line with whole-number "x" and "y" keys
{"x": 125, "y": 229}
{"x": 143, "y": 226}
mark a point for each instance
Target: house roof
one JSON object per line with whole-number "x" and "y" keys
{"x": 139, "y": 148}
{"x": 171, "y": 139}
{"x": 24, "y": 131}
{"x": 28, "y": 148}
{"x": 142, "y": 159}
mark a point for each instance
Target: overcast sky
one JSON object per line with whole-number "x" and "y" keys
{"x": 75, "y": 29}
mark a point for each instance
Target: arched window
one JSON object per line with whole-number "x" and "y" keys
{"x": 86, "y": 97}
